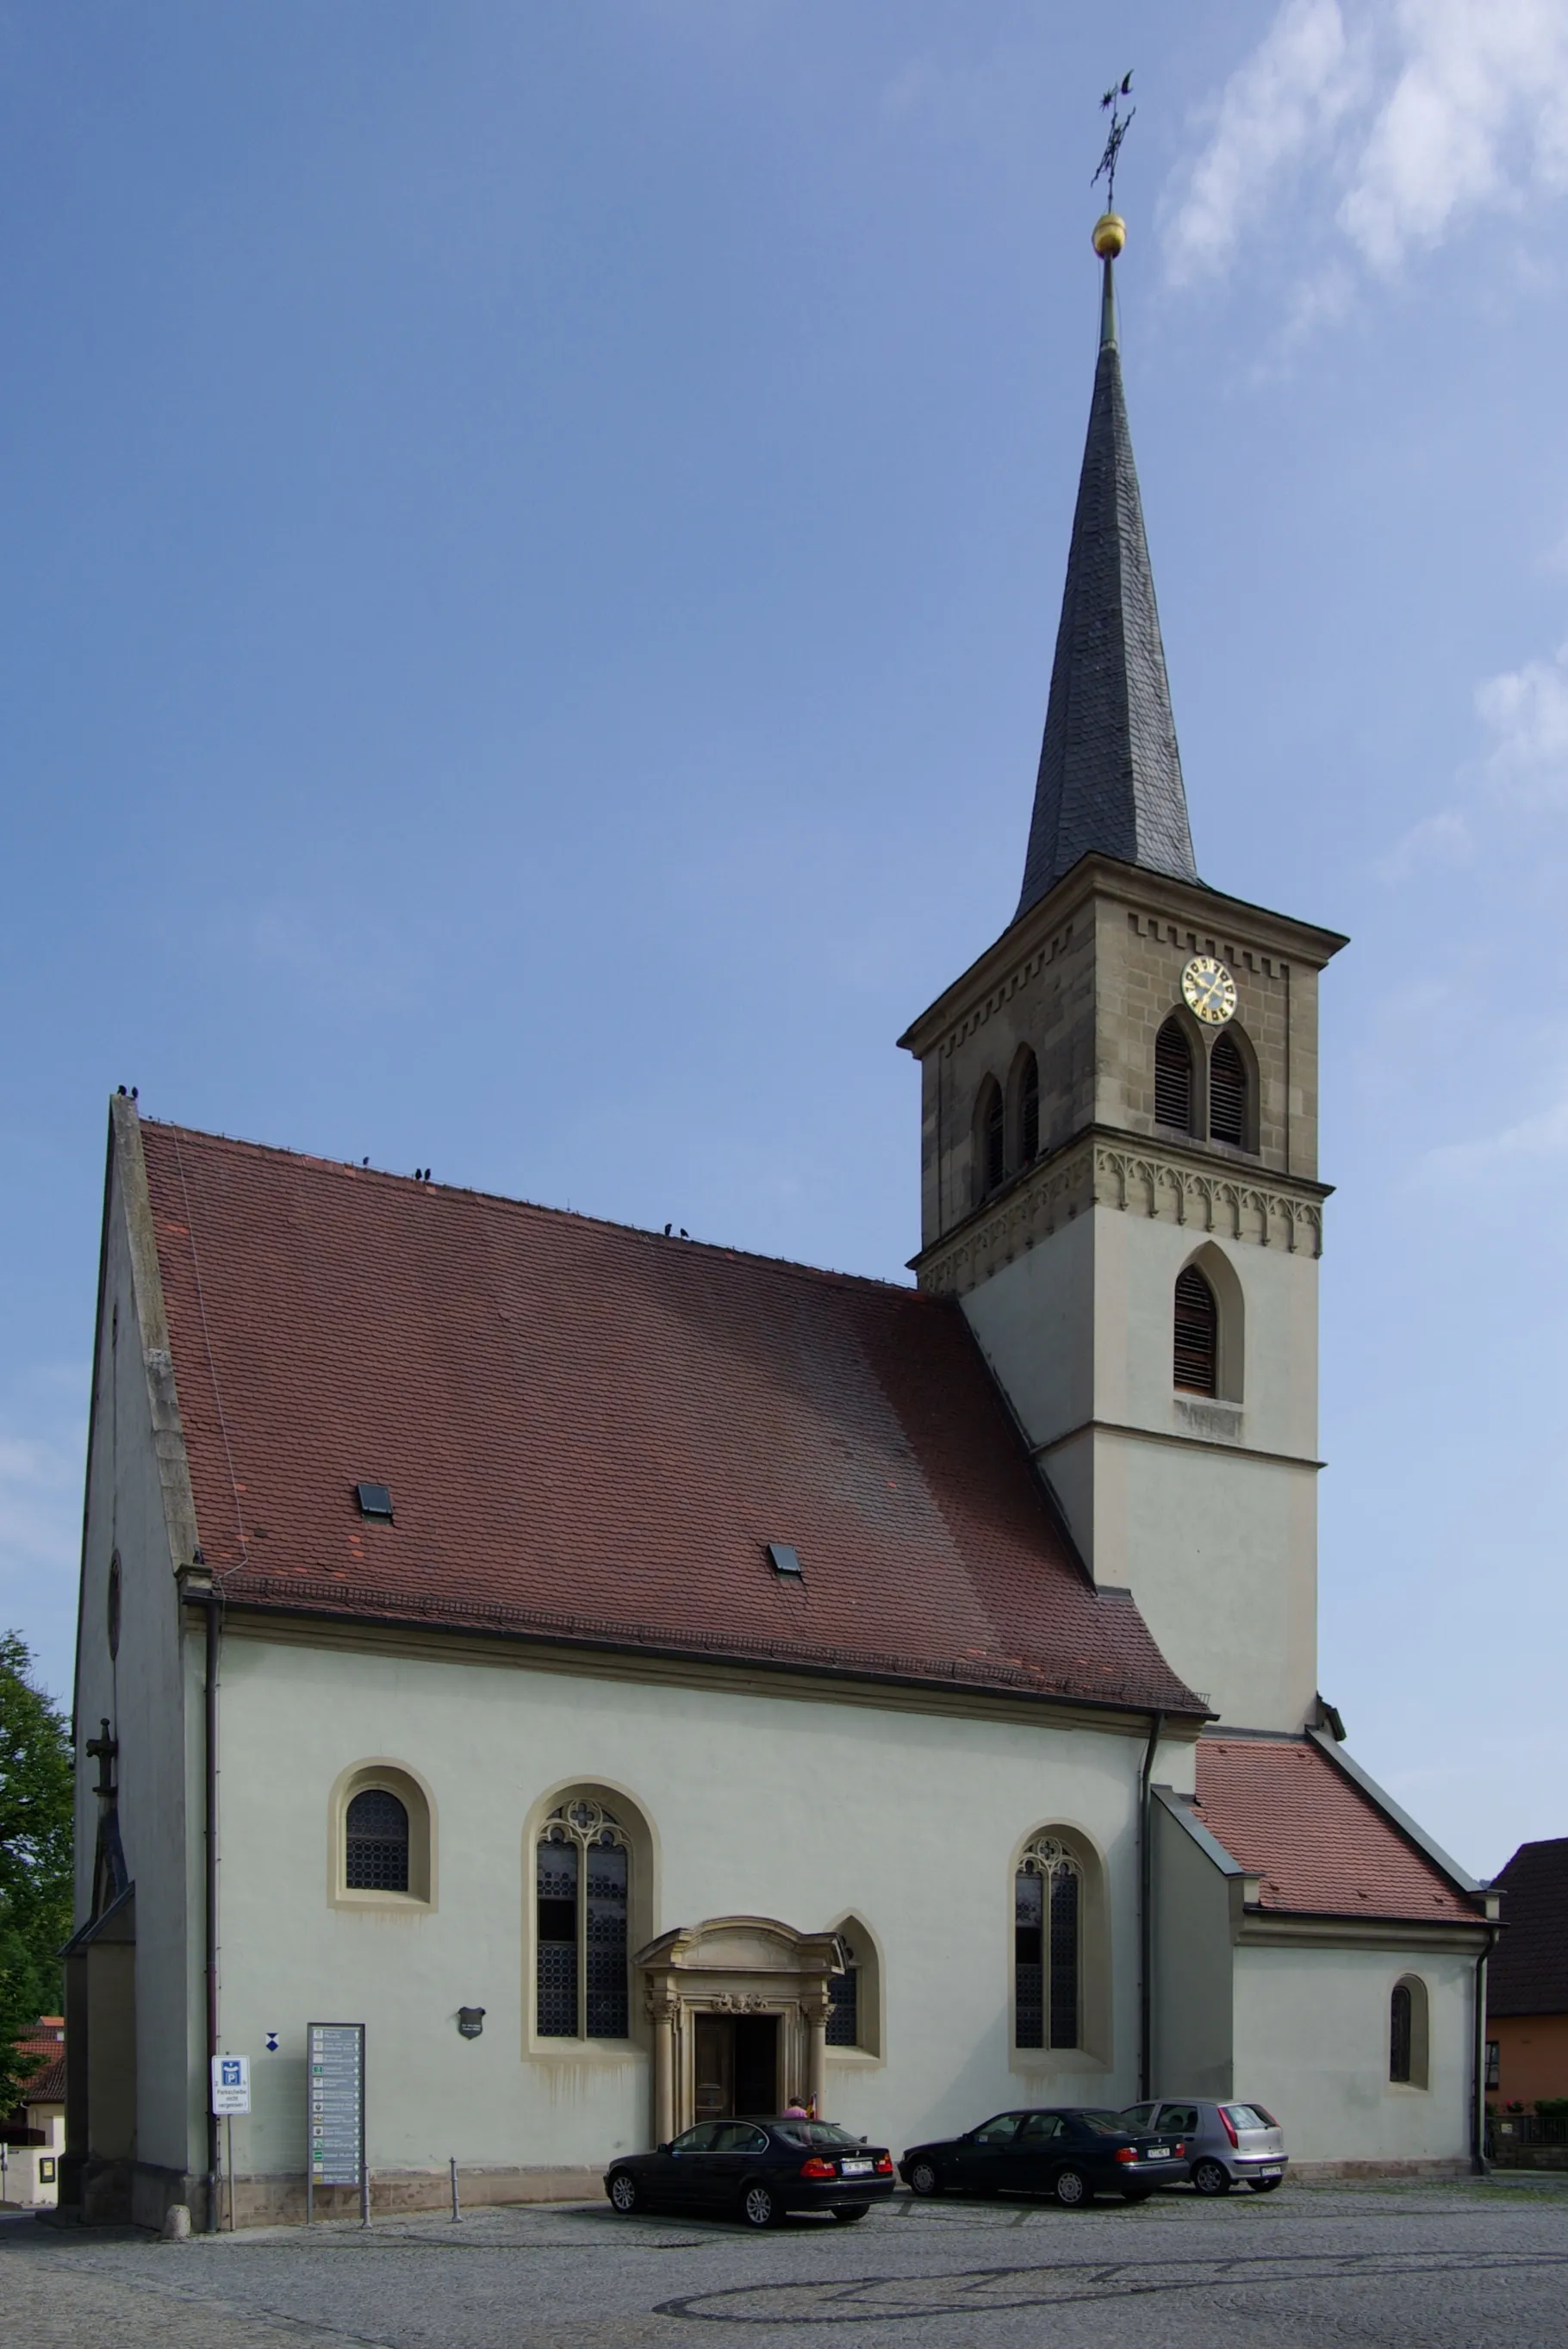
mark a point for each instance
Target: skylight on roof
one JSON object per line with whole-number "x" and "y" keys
{"x": 374, "y": 1501}
{"x": 783, "y": 1559}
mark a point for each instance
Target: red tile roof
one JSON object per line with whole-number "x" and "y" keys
{"x": 1319, "y": 1845}
{"x": 1528, "y": 1973}
{"x": 589, "y": 1433}
{"x": 47, "y": 2086}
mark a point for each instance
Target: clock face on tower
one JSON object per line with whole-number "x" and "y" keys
{"x": 1210, "y": 989}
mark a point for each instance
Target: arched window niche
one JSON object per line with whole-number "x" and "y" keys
{"x": 588, "y": 1866}
{"x": 855, "y": 2024}
{"x": 1407, "y": 2032}
{"x": 381, "y": 1830}
{"x": 1208, "y": 1333}
{"x": 1233, "y": 1088}
{"x": 1024, "y": 1089}
{"x": 1060, "y": 1944}
{"x": 990, "y": 1140}
{"x": 1175, "y": 1077}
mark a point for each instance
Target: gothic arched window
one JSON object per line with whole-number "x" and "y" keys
{"x": 1047, "y": 1935}
{"x": 1407, "y": 2032}
{"x": 1173, "y": 1077}
{"x": 1196, "y": 1347}
{"x": 1028, "y": 1111}
{"x": 990, "y": 1138}
{"x": 376, "y": 1855}
{"x": 1228, "y": 1120}
{"x": 582, "y": 1888}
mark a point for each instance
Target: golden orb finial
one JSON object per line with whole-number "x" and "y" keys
{"x": 1110, "y": 235}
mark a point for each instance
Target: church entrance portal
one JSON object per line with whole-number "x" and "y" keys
{"x": 737, "y": 2065}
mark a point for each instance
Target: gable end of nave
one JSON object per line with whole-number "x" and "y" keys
{"x": 1155, "y": 1183}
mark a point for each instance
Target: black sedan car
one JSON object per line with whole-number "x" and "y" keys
{"x": 1070, "y": 2152}
{"x": 755, "y": 2171}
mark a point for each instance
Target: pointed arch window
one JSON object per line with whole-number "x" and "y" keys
{"x": 1047, "y": 1919}
{"x": 990, "y": 1137}
{"x": 1407, "y": 2032}
{"x": 1028, "y": 1110}
{"x": 376, "y": 1858}
{"x": 1173, "y": 1077}
{"x": 581, "y": 1887}
{"x": 1196, "y": 1334}
{"x": 1228, "y": 1104}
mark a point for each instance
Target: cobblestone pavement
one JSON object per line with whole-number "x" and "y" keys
{"x": 1416, "y": 2266}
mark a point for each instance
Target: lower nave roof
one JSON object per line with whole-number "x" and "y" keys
{"x": 590, "y": 1433}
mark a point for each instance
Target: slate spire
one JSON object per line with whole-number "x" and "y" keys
{"x": 1110, "y": 774}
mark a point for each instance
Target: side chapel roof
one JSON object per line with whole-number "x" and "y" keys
{"x": 1527, "y": 1971}
{"x": 1319, "y": 1845}
{"x": 590, "y": 1432}
{"x": 1110, "y": 774}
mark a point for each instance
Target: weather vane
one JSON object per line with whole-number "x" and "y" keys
{"x": 1119, "y": 126}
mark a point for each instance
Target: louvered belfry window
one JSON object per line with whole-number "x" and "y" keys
{"x": 1173, "y": 1077}
{"x": 376, "y": 1858}
{"x": 1197, "y": 1334}
{"x": 1029, "y": 1110}
{"x": 993, "y": 1138}
{"x": 1228, "y": 1093}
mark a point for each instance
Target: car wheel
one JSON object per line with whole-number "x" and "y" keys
{"x": 1211, "y": 2178}
{"x": 625, "y": 2193}
{"x": 1071, "y": 2188}
{"x": 759, "y": 2207}
{"x": 1264, "y": 2185}
{"x": 847, "y": 2213}
{"x": 924, "y": 2178}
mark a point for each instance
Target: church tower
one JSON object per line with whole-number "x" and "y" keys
{"x": 1119, "y": 1149}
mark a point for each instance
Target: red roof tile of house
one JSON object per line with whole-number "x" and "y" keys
{"x": 1318, "y": 1844}
{"x": 589, "y": 1433}
{"x": 1528, "y": 1973}
{"x": 47, "y": 2086}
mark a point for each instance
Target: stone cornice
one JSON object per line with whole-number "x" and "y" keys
{"x": 1102, "y": 1168}
{"x": 1035, "y": 935}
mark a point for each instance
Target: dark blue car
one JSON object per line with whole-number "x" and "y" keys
{"x": 1070, "y": 2152}
{"x": 755, "y": 2170}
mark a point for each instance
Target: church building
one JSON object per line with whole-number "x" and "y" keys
{"x": 639, "y": 1681}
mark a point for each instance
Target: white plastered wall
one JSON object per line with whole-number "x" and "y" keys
{"x": 760, "y": 1805}
{"x": 1312, "y": 2043}
{"x": 140, "y": 1691}
{"x": 1206, "y": 1511}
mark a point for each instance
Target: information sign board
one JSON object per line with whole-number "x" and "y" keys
{"x": 335, "y": 2072}
{"x": 231, "y": 2084}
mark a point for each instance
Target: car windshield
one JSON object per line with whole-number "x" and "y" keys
{"x": 1104, "y": 2124}
{"x": 816, "y": 2133}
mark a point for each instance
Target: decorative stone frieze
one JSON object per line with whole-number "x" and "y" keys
{"x": 1139, "y": 1181}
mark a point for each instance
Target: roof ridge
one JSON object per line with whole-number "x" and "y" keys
{"x": 345, "y": 1168}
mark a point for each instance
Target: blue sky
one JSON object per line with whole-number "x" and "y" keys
{"x": 531, "y": 544}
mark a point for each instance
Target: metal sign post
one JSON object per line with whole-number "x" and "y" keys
{"x": 231, "y": 2094}
{"x": 336, "y": 2150}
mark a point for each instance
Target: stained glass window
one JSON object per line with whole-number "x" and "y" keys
{"x": 581, "y": 1887}
{"x": 1046, "y": 1941}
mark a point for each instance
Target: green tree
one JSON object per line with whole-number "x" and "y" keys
{"x": 36, "y": 1809}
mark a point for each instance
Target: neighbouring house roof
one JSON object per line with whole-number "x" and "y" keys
{"x": 47, "y": 2086}
{"x": 1529, "y": 1970}
{"x": 1110, "y": 774}
{"x": 1317, "y": 1843}
{"x": 590, "y": 1432}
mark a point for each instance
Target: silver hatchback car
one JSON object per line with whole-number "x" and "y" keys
{"x": 1227, "y": 2145}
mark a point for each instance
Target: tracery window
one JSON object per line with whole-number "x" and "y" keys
{"x": 582, "y": 1888}
{"x": 1047, "y": 1936}
{"x": 1228, "y": 1092}
{"x": 1173, "y": 1077}
{"x": 844, "y": 1992}
{"x": 1028, "y": 1111}
{"x": 375, "y": 1854}
{"x": 1196, "y": 1335}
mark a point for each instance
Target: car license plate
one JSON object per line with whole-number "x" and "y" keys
{"x": 856, "y": 2168}
{"x": 1270, "y": 2169}
{"x": 1158, "y": 2153}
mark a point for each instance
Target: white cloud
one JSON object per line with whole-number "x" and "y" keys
{"x": 1527, "y": 710}
{"x": 1445, "y": 838}
{"x": 1526, "y": 1142}
{"x": 1418, "y": 113}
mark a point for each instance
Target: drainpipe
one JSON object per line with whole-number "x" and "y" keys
{"x": 1145, "y": 1913}
{"x": 1478, "y": 2116}
{"x": 210, "y": 1830}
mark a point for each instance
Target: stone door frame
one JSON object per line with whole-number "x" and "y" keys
{"x": 729, "y": 1966}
